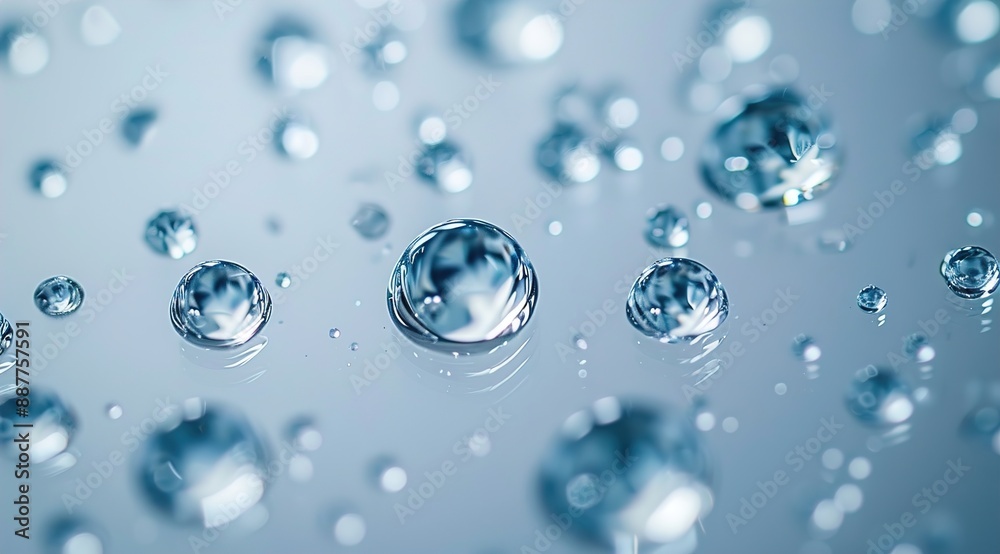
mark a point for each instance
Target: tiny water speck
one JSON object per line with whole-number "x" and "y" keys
{"x": 58, "y": 296}
{"x": 49, "y": 179}
{"x": 334, "y": 333}
{"x": 872, "y": 299}
{"x": 806, "y": 349}
{"x": 354, "y": 346}
{"x": 114, "y": 411}
{"x": 555, "y": 228}
{"x": 580, "y": 342}
{"x": 283, "y": 280}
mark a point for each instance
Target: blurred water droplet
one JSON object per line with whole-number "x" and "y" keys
{"x": 872, "y": 299}
{"x": 859, "y": 468}
{"x": 354, "y": 346}
{"x": 389, "y": 476}
{"x": 219, "y": 304}
{"x": 98, "y": 27}
{"x": 970, "y": 272}
{"x": 25, "y": 53}
{"x": 672, "y": 149}
{"x": 508, "y": 31}
{"x": 385, "y": 50}
{"x": 917, "y": 347}
{"x": 703, "y": 210}
{"x": 705, "y": 421}
{"x": 446, "y": 166}
{"x": 784, "y": 69}
{"x": 172, "y": 232}
{"x": 385, "y": 96}
{"x": 871, "y": 17}
{"x": 626, "y": 155}
{"x": 780, "y": 389}
{"x": 292, "y": 59}
{"x": 972, "y": 21}
{"x": 114, "y": 411}
{"x": 283, "y": 280}
{"x": 49, "y": 179}
{"x": 832, "y": 458}
{"x": 641, "y": 473}
{"x": 58, "y": 296}
{"x": 582, "y": 374}
{"x": 53, "y": 424}
{"x": 748, "y": 37}
{"x": 827, "y": 516}
{"x": 300, "y": 468}
{"x": 464, "y": 283}
{"x": 619, "y": 111}
{"x": 833, "y": 241}
{"x": 667, "y": 227}
{"x": 555, "y": 228}
{"x": 432, "y": 130}
{"x": 297, "y": 140}
{"x": 878, "y": 397}
{"x": 139, "y": 127}
{"x": 304, "y": 435}
{"x": 349, "y": 529}
{"x": 568, "y": 156}
{"x": 849, "y": 498}
{"x": 806, "y": 349}
{"x": 370, "y": 221}
{"x": 676, "y": 300}
{"x": 730, "y": 424}
{"x": 75, "y": 536}
{"x": 776, "y": 151}
{"x": 334, "y": 333}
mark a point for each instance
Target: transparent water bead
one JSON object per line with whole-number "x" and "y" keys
{"x": 444, "y": 165}
{"x": 26, "y": 53}
{"x": 139, "y": 127}
{"x": 872, "y": 299}
{"x": 385, "y": 50}
{"x": 219, "y": 304}
{"x": 208, "y": 468}
{"x": 283, "y": 280}
{"x": 292, "y": 59}
{"x": 297, "y": 140}
{"x": 667, "y": 226}
{"x": 509, "y": 32}
{"x": 6, "y": 334}
{"x": 464, "y": 283}
{"x": 775, "y": 151}
{"x": 877, "y": 396}
{"x": 676, "y": 300}
{"x": 58, "y": 296}
{"x": 568, "y": 155}
{"x": 624, "y": 471}
{"x": 76, "y": 536}
{"x": 173, "y": 233}
{"x": 370, "y": 221}
{"x": 970, "y": 271}
{"x": 49, "y": 179}
{"x": 971, "y": 21}
{"x": 53, "y": 424}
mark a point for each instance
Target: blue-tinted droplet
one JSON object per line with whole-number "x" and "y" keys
{"x": 568, "y": 156}
{"x": 58, "y": 296}
{"x": 283, "y": 280}
{"x": 676, "y": 300}
{"x": 49, "y": 179}
{"x": 6, "y": 334}
{"x": 872, "y": 299}
{"x": 219, "y": 304}
{"x": 172, "y": 232}
{"x": 139, "y": 127}
{"x": 370, "y": 221}
{"x": 509, "y": 32}
{"x": 53, "y": 424}
{"x": 970, "y": 271}
{"x": 444, "y": 165}
{"x": 461, "y": 283}
{"x": 667, "y": 227}
{"x": 878, "y": 397}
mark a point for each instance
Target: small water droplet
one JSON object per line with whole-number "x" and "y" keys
{"x": 806, "y": 349}
{"x": 672, "y": 149}
{"x": 972, "y": 21}
{"x": 705, "y": 421}
{"x": 58, "y": 296}
{"x": 619, "y": 110}
{"x": 444, "y": 165}
{"x": 283, "y": 280}
{"x": 832, "y": 459}
{"x": 334, "y": 333}
{"x": 354, "y": 346}
{"x": 291, "y": 59}
{"x": 872, "y": 299}
{"x": 389, "y": 475}
{"x": 703, "y": 210}
{"x": 568, "y": 156}
{"x": 461, "y": 283}
{"x": 748, "y": 37}
{"x": 582, "y": 374}
{"x": 53, "y": 424}
{"x": 508, "y": 32}
{"x": 432, "y": 130}
{"x": 780, "y": 389}
{"x": 26, "y": 53}
{"x": 936, "y": 142}
{"x": 139, "y": 127}
{"x": 917, "y": 346}
{"x": 555, "y": 228}
{"x": 580, "y": 342}
{"x": 730, "y": 424}
{"x": 349, "y": 529}
{"x": 859, "y": 468}
{"x": 974, "y": 219}
{"x": 98, "y": 27}
{"x": 304, "y": 435}
{"x": 676, "y": 300}
{"x": 971, "y": 272}
{"x": 370, "y": 221}
{"x": 834, "y": 241}
{"x": 219, "y": 304}
{"x": 625, "y": 155}
{"x": 172, "y": 232}
{"x": 878, "y": 397}
{"x": 777, "y": 151}
{"x": 385, "y": 50}
{"x": 385, "y": 96}
{"x": 6, "y": 336}
{"x": 114, "y": 411}
{"x": 297, "y": 140}
{"x": 49, "y": 179}
{"x": 667, "y": 227}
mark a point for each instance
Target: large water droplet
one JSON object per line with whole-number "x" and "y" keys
{"x": 509, "y": 31}
{"x": 172, "y": 232}
{"x": 667, "y": 226}
{"x": 676, "y": 300}
{"x": 219, "y": 304}
{"x": 970, "y": 271}
{"x": 627, "y": 472}
{"x": 49, "y": 179}
{"x": 878, "y": 397}
{"x": 568, "y": 156}
{"x": 370, "y": 221}
{"x": 872, "y": 299}
{"x": 209, "y": 468}
{"x": 776, "y": 151}
{"x": 461, "y": 283}
{"x": 58, "y": 296}
{"x": 53, "y": 424}
{"x": 444, "y": 165}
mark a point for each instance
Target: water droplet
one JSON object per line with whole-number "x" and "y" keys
{"x": 776, "y": 151}
{"x": 139, "y": 127}
{"x": 283, "y": 280}
{"x": 703, "y": 210}
{"x": 27, "y": 53}
{"x": 748, "y": 37}
{"x": 385, "y": 50}
{"x": 49, "y": 179}
{"x": 580, "y": 342}
{"x": 871, "y": 17}
{"x": 385, "y": 96}
{"x": 970, "y": 271}
{"x": 334, "y": 333}
{"x": 730, "y": 424}
{"x": 349, "y": 529}
{"x": 53, "y": 424}
{"x": 872, "y": 299}
{"x": 657, "y": 496}
{"x": 389, "y": 475}
{"x": 834, "y": 241}
{"x": 300, "y": 468}
{"x": 833, "y": 458}
{"x": 114, "y": 411}
{"x": 6, "y": 335}
{"x": 784, "y": 69}
{"x": 619, "y": 111}
{"x": 878, "y": 397}
{"x": 209, "y": 468}
{"x": 672, "y": 149}
{"x": 676, "y": 300}
{"x": 568, "y": 156}
{"x": 304, "y": 435}
{"x": 432, "y": 130}
{"x": 219, "y": 304}
{"x": 555, "y": 228}
{"x": 461, "y": 283}
{"x": 626, "y": 155}
{"x": 370, "y": 221}
{"x": 297, "y": 140}
{"x": 973, "y": 21}
{"x": 58, "y": 296}
{"x": 705, "y": 421}
{"x": 354, "y": 346}
{"x": 76, "y": 536}
{"x": 780, "y": 389}
{"x": 582, "y": 374}
{"x": 918, "y": 347}
{"x": 291, "y": 59}
{"x": 508, "y": 32}
{"x": 98, "y": 27}
{"x": 974, "y": 219}
{"x": 667, "y": 227}
{"x": 936, "y": 143}
{"x": 172, "y": 232}
{"x": 444, "y": 165}
{"x": 806, "y": 349}
{"x": 859, "y": 468}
